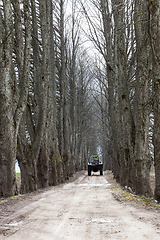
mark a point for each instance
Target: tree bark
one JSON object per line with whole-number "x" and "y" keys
{"x": 142, "y": 108}
{"x": 11, "y": 115}
{"x": 154, "y": 36}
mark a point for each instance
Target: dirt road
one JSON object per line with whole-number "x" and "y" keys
{"x": 84, "y": 209}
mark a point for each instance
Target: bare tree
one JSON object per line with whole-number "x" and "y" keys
{"x": 11, "y": 112}
{"x": 113, "y": 35}
{"x": 38, "y": 154}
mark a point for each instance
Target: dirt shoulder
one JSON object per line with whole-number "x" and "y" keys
{"x": 83, "y": 208}
{"x": 151, "y": 211}
{"x": 13, "y": 204}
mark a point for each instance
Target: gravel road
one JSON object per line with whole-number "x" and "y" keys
{"x": 83, "y": 209}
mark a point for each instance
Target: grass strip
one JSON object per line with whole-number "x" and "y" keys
{"x": 136, "y": 198}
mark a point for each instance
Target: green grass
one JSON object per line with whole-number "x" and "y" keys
{"x": 17, "y": 174}
{"x": 116, "y": 187}
{"x": 136, "y": 198}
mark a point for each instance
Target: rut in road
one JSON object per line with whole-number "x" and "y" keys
{"x": 81, "y": 210}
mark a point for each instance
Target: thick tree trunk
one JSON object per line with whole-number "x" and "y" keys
{"x": 43, "y": 160}
{"x": 156, "y": 137}
{"x": 23, "y": 156}
{"x": 43, "y": 165}
{"x": 142, "y": 107}
{"x": 28, "y": 183}
{"x": 63, "y": 103}
{"x": 10, "y": 120}
{"x": 154, "y": 35}
{"x": 124, "y": 121}
{"x": 55, "y": 162}
{"x": 7, "y": 131}
{"x": 7, "y": 156}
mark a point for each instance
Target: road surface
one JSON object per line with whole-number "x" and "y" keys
{"x": 84, "y": 209}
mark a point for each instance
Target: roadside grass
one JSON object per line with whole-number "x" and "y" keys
{"x": 17, "y": 174}
{"x": 22, "y": 196}
{"x": 18, "y": 197}
{"x": 135, "y": 198}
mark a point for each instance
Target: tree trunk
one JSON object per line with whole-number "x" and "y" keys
{"x": 28, "y": 183}
{"x": 154, "y": 35}
{"x": 55, "y": 162}
{"x": 10, "y": 118}
{"x": 43, "y": 164}
{"x": 142, "y": 108}
{"x": 7, "y": 130}
{"x": 35, "y": 119}
{"x": 124, "y": 121}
